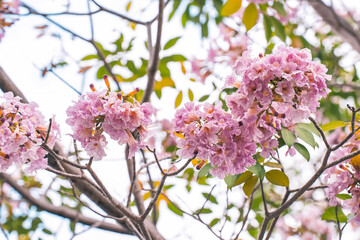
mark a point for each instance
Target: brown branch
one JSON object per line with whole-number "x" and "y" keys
{"x": 61, "y": 210}
{"x": 8, "y": 86}
{"x": 337, "y": 23}
{"x": 135, "y": 188}
{"x": 154, "y": 56}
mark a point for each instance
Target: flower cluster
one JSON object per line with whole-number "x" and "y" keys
{"x": 11, "y": 7}
{"x": 345, "y": 178}
{"x": 120, "y": 116}
{"x": 22, "y": 131}
{"x": 286, "y": 85}
{"x": 210, "y": 133}
{"x": 274, "y": 91}
{"x": 271, "y": 92}
{"x": 308, "y": 225}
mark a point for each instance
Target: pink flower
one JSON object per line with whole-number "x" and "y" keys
{"x": 22, "y": 131}
{"x": 100, "y": 112}
{"x": 211, "y": 133}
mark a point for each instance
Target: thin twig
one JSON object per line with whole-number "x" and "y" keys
{"x": 91, "y": 20}
{"x": 48, "y": 131}
{"x": 64, "y": 81}
{"x": 154, "y": 199}
{"x": 322, "y": 134}
{"x": 309, "y": 189}
{"x": 337, "y": 221}
{"x": 63, "y": 174}
{"x": 263, "y": 198}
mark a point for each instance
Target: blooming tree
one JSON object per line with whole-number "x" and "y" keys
{"x": 282, "y": 95}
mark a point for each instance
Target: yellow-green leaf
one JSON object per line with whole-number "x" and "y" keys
{"x": 230, "y": 7}
{"x": 332, "y": 125}
{"x": 250, "y": 16}
{"x": 273, "y": 165}
{"x": 250, "y": 185}
{"x": 128, "y": 6}
{"x": 288, "y": 136}
{"x": 277, "y": 177}
{"x": 191, "y": 95}
{"x": 165, "y": 82}
{"x": 243, "y": 177}
{"x": 178, "y": 99}
{"x": 171, "y": 43}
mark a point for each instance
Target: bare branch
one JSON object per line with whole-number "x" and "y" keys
{"x": 8, "y": 86}
{"x": 338, "y": 24}
{"x": 154, "y": 55}
{"x": 60, "y": 210}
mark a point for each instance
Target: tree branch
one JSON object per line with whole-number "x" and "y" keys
{"x": 154, "y": 56}
{"x": 60, "y": 210}
{"x": 337, "y": 23}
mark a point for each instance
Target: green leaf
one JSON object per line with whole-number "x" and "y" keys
{"x": 176, "y": 4}
{"x": 211, "y": 198}
{"x": 203, "y": 211}
{"x": 204, "y": 170}
{"x": 101, "y": 72}
{"x": 89, "y": 57}
{"x": 47, "y": 231}
{"x": 230, "y": 180}
{"x": 258, "y": 170}
{"x": 164, "y": 70}
{"x": 332, "y": 125}
{"x": 277, "y": 177}
{"x": 310, "y": 127}
{"x": 250, "y": 185}
{"x": 273, "y": 165}
{"x": 243, "y": 177}
{"x": 302, "y": 150}
{"x": 191, "y": 95}
{"x": 174, "y": 209}
{"x": 171, "y": 43}
{"x": 331, "y": 212}
{"x": 267, "y": 27}
{"x": 72, "y": 226}
{"x": 279, "y": 7}
{"x": 35, "y": 223}
{"x": 131, "y": 66}
{"x": 174, "y": 58}
{"x": 214, "y": 222}
{"x": 250, "y": 16}
{"x": 343, "y": 196}
{"x": 307, "y": 136}
{"x": 279, "y": 28}
{"x": 230, "y": 7}
{"x": 288, "y": 136}
{"x": 178, "y": 99}
{"x": 204, "y": 98}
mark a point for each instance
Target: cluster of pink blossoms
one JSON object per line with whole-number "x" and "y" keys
{"x": 11, "y": 7}
{"x": 122, "y": 117}
{"x": 272, "y": 91}
{"x": 22, "y": 131}
{"x": 310, "y": 226}
{"x": 211, "y": 133}
{"x": 345, "y": 178}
